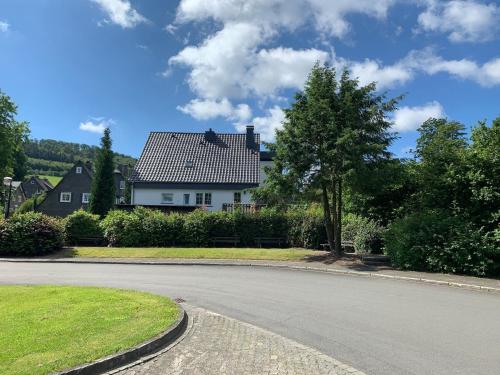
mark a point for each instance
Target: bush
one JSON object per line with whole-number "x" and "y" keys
{"x": 30, "y": 203}
{"x": 123, "y": 228}
{"x": 365, "y": 233}
{"x": 81, "y": 224}
{"x": 30, "y": 234}
{"x": 438, "y": 242}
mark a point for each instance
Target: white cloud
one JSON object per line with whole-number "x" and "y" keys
{"x": 267, "y": 125}
{"x": 368, "y": 71}
{"x": 96, "y": 125}
{"x": 121, "y": 13}
{"x": 487, "y": 74}
{"x": 462, "y": 20}
{"x": 210, "y": 109}
{"x": 4, "y": 26}
{"x": 410, "y": 118}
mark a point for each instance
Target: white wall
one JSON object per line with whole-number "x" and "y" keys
{"x": 262, "y": 173}
{"x": 153, "y": 197}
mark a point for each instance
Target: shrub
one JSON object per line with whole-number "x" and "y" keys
{"x": 81, "y": 224}
{"x": 436, "y": 241}
{"x": 30, "y": 203}
{"x": 30, "y": 234}
{"x": 196, "y": 228}
{"x": 123, "y": 228}
{"x": 365, "y": 233}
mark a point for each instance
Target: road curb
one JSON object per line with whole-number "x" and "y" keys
{"x": 125, "y": 357}
{"x": 264, "y": 265}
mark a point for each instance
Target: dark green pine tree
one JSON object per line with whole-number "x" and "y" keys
{"x": 102, "y": 196}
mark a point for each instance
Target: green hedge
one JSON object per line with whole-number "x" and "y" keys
{"x": 438, "y": 242}
{"x": 79, "y": 225}
{"x": 149, "y": 228}
{"x": 30, "y": 234}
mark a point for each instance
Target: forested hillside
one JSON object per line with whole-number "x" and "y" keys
{"x": 54, "y": 158}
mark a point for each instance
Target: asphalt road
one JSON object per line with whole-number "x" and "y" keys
{"x": 377, "y": 326}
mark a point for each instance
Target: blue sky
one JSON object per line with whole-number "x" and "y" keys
{"x": 76, "y": 66}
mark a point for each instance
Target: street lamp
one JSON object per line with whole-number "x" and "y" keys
{"x": 7, "y": 181}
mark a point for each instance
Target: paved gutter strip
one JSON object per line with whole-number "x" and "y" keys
{"x": 122, "y": 358}
{"x": 230, "y": 263}
{"x": 216, "y": 344}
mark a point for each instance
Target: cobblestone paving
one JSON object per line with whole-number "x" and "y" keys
{"x": 214, "y": 344}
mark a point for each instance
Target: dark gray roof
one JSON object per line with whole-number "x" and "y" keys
{"x": 170, "y": 157}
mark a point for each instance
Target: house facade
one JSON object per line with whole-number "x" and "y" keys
{"x": 17, "y": 196}
{"x": 73, "y": 191}
{"x": 36, "y": 185}
{"x": 205, "y": 170}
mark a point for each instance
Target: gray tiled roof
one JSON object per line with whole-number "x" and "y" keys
{"x": 226, "y": 159}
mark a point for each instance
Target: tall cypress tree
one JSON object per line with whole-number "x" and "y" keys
{"x": 103, "y": 185}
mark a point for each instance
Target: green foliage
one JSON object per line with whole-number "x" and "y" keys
{"x": 102, "y": 192}
{"x": 30, "y": 234}
{"x": 435, "y": 241}
{"x": 31, "y": 203}
{"x": 55, "y": 158}
{"x": 334, "y": 131}
{"x": 81, "y": 224}
{"x": 365, "y": 233}
{"x": 151, "y": 228}
{"x": 13, "y": 135}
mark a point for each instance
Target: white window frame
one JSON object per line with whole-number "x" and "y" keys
{"x": 199, "y": 195}
{"x": 87, "y": 195}
{"x": 63, "y": 193}
{"x": 207, "y": 201}
{"x": 165, "y": 201}
{"x": 78, "y": 170}
{"x": 122, "y": 184}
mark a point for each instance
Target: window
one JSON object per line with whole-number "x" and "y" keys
{"x": 79, "y": 170}
{"x": 199, "y": 198}
{"x": 85, "y": 197}
{"x": 65, "y": 197}
{"x": 167, "y": 198}
{"x": 188, "y": 164}
{"x": 186, "y": 198}
{"x": 237, "y": 197}
{"x": 208, "y": 199}
{"x": 122, "y": 185}
{"x": 32, "y": 182}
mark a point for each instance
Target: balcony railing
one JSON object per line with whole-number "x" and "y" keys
{"x": 242, "y": 207}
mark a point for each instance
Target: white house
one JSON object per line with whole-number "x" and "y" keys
{"x": 198, "y": 169}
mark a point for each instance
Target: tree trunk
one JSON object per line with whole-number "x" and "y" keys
{"x": 328, "y": 220}
{"x": 338, "y": 231}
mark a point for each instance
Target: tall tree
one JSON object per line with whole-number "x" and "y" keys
{"x": 333, "y": 131}
{"x": 13, "y": 135}
{"x": 102, "y": 193}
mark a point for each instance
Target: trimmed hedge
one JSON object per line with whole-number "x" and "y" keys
{"x": 79, "y": 225}
{"x": 150, "y": 228}
{"x": 30, "y": 234}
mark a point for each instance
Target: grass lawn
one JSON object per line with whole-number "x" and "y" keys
{"x": 54, "y": 180}
{"x": 193, "y": 253}
{"x": 50, "y": 328}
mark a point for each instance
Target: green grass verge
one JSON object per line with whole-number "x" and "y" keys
{"x": 193, "y": 253}
{"x": 50, "y": 328}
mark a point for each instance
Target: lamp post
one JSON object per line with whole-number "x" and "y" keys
{"x": 7, "y": 181}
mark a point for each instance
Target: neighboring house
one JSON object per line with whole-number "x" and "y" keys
{"x": 209, "y": 170}
{"x": 73, "y": 191}
{"x": 36, "y": 185}
{"x": 17, "y": 196}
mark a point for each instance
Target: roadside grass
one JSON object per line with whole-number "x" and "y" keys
{"x": 54, "y": 180}
{"x": 51, "y": 328}
{"x": 194, "y": 253}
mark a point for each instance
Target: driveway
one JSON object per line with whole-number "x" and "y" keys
{"x": 378, "y": 326}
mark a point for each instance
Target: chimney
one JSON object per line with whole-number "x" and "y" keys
{"x": 250, "y": 138}
{"x": 210, "y": 136}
